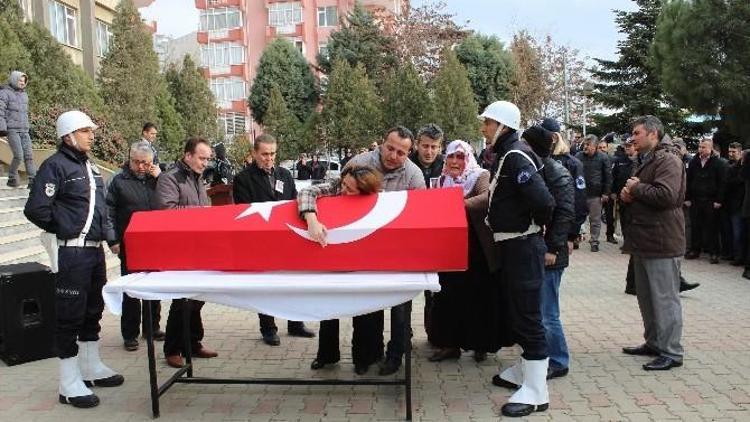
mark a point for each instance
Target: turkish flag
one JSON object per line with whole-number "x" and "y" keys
{"x": 420, "y": 230}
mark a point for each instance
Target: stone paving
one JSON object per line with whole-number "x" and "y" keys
{"x": 604, "y": 384}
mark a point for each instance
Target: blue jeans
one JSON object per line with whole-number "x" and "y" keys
{"x": 557, "y": 348}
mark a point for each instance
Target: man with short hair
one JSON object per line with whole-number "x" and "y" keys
{"x": 14, "y": 123}
{"x": 655, "y": 238}
{"x": 148, "y": 134}
{"x": 132, "y": 190}
{"x": 598, "y": 176}
{"x": 735, "y": 195}
{"x": 68, "y": 200}
{"x": 399, "y": 173}
{"x": 428, "y": 155}
{"x": 263, "y": 181}
{"x": 183, "y": 187}
{"x": 706, "y": 180}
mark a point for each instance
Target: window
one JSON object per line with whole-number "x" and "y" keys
{"x": 103, "y": 38}
{"x": 228, "y": 89}
{"x": 323, "y": 49}
{"x": 300, "y": 46}
{"x": 284, "y": 14}
{"x": 327, "y": 16}
{"x": 63, "y": 23}
{"x": 233, "y": 123}
{"x": 222, "y": 18}
{"x": 222, "y": 54}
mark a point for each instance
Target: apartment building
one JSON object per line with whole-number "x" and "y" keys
{"x": 233, "y": 34}
{"x": 82, "y": 27}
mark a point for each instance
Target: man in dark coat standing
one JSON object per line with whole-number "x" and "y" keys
{"x": 263, "y": 181}
{"x": 655, "y": 237}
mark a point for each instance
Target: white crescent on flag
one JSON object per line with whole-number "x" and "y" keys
{"x": 388, "y": 207}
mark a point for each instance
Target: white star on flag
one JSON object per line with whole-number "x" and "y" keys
{"x": 264, "y": 209}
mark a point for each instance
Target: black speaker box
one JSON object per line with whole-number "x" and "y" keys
{"x": 27, "y": 313}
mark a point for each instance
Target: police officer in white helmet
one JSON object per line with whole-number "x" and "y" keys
{"x": 519, "y": 206}
{"x": 68, "y": 200}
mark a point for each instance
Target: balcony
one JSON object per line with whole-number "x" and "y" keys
{"x": 234, "y": 34}
{"x": 225, "y": 71}
{"x": 291, "y": 31}
{"x": 209, "y": 4}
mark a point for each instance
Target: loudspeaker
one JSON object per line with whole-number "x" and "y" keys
{"x": 27, "y": 313}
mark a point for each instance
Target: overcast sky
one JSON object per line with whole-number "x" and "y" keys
{"x": 587, "y": 25}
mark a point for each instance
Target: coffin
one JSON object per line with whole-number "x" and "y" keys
{"x": 421, "y": 230}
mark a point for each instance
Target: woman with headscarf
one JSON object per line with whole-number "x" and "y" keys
{"x": 463, "y": 312}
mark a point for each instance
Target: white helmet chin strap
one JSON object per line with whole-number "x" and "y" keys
{"x": 498, "y": 132}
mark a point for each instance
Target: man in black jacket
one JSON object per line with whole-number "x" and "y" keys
{"x": 67, "y": 200}
{"x": 598, "y": 175}
{"x": 556, "y": 236}
{"x": 706, "y": 180}
{"x": 520, "y": 205}
{"x": 263, "y": 181}
{"x": 131, "y": 190}
{"x": 735, "y": 195}
{"x": 428, "y": 156}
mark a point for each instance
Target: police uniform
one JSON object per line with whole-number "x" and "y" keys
{"x": 68, "y": 200}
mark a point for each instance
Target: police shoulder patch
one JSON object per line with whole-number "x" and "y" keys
{"x": 580, "y": 183}
{"x": 49, "y": 189}
{"x": 523, "y": 177}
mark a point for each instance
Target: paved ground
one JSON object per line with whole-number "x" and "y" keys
{"x": 714, "y": 383}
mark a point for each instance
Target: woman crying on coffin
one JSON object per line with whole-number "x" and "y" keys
{"x": 464, "y": 312}
{"x": 367, "y": 345}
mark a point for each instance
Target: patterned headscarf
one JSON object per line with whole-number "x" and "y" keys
{"x": 471, "y": 172}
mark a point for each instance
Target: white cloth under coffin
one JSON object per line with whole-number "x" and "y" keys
{"x": 298, "y": 296}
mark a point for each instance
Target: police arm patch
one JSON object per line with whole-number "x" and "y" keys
{"x": 49, "y": 189}
{"x": 580, "y": 183}
{"x": 523, "y": 177}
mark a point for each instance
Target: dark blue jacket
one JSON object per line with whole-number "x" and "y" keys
{"x": 575, "y": 168}
{"x": 557, "y": 231}
{"x": 520, "y": 194}
{"x": 59, "y": 199}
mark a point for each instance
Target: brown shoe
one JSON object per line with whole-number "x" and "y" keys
{"x": 175, "y": 361}
{"x": 205, "y": 353}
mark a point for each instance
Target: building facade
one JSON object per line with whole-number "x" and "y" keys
{"x": 234, "y": 33}
{"x": 82, "y": 27}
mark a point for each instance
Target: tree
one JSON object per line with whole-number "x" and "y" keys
{"x": 171, "y": 129}
{"x": 13, "y": 55}
{"x": 193, "y": 99}
{"x": 701, "y": 52}
{"x": 630, "y": 85}
{"x": 407, "y": 101}
{"x": 566, "y": 83}
{"x": 455, "y": 108}
{"x": 528, "y": 81}
{"x": 129, "y": 78}
{"x": 351, "y": 116}
{"x": 489, "y": 66}
{"x": 283, "y": 125}
{"x": 360, "y": 41}
{"x": 421, "y": 34}
{"x": 284, "y": 66}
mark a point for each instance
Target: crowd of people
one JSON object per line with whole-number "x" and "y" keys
{"x": 527, "y": 196}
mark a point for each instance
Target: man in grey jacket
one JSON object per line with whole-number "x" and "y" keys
{"x": 14, "y": 123}
{"x": 597, "y": 172}
{"x": 399, "y": 173}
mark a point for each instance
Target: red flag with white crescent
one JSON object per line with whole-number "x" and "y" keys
{"x": 420, "y": 230}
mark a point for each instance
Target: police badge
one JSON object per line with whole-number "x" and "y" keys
{"x": 49, "y": 189}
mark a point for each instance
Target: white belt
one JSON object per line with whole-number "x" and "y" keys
{"x": 78, "y": 243}
{"x": 533, "y": 229}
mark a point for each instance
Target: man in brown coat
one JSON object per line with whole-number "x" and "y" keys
{"x": 655, "y": 237}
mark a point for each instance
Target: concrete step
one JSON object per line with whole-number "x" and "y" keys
{"x": 14, "y": 201}
{"x": 14, "y": 242}
{"x": 16, "y": 225}
{"x": 6, "y": 190}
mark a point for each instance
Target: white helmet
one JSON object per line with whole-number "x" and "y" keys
{"x": 503, "y": 112}
{"x": 71, "y": 121}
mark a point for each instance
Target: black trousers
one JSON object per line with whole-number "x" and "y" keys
{"x": 609, "y": 216}
{"x": 367, "y": 345}
{"x": 78, "y": 297}
{"x": 521, "y": 275}
{"x": 704, "y": 222}
{"x": 268, "y": 325}
{"x": 174, "y": 341}
{"x": 132, "y": 311}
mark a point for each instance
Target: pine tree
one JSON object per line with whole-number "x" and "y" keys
{"x": 284, "y": 66}
{"x": 630, "y": 85}
{"x": 283, "y": 125}
{"x": 528, "y": 83}
{"x": 129, "y": 77}
{"x": 194, "y": 100}
{"x": 351, "y": 116}
{"x": 13, "y": 54}
{"x": 490, "y": 68}
{"x": 360, "y": 41}
{"x": 455, "y": 108}
{"x": 172, "y": 133}
{"x": 407, "y": 101}
{"x": 700, "y": 51}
